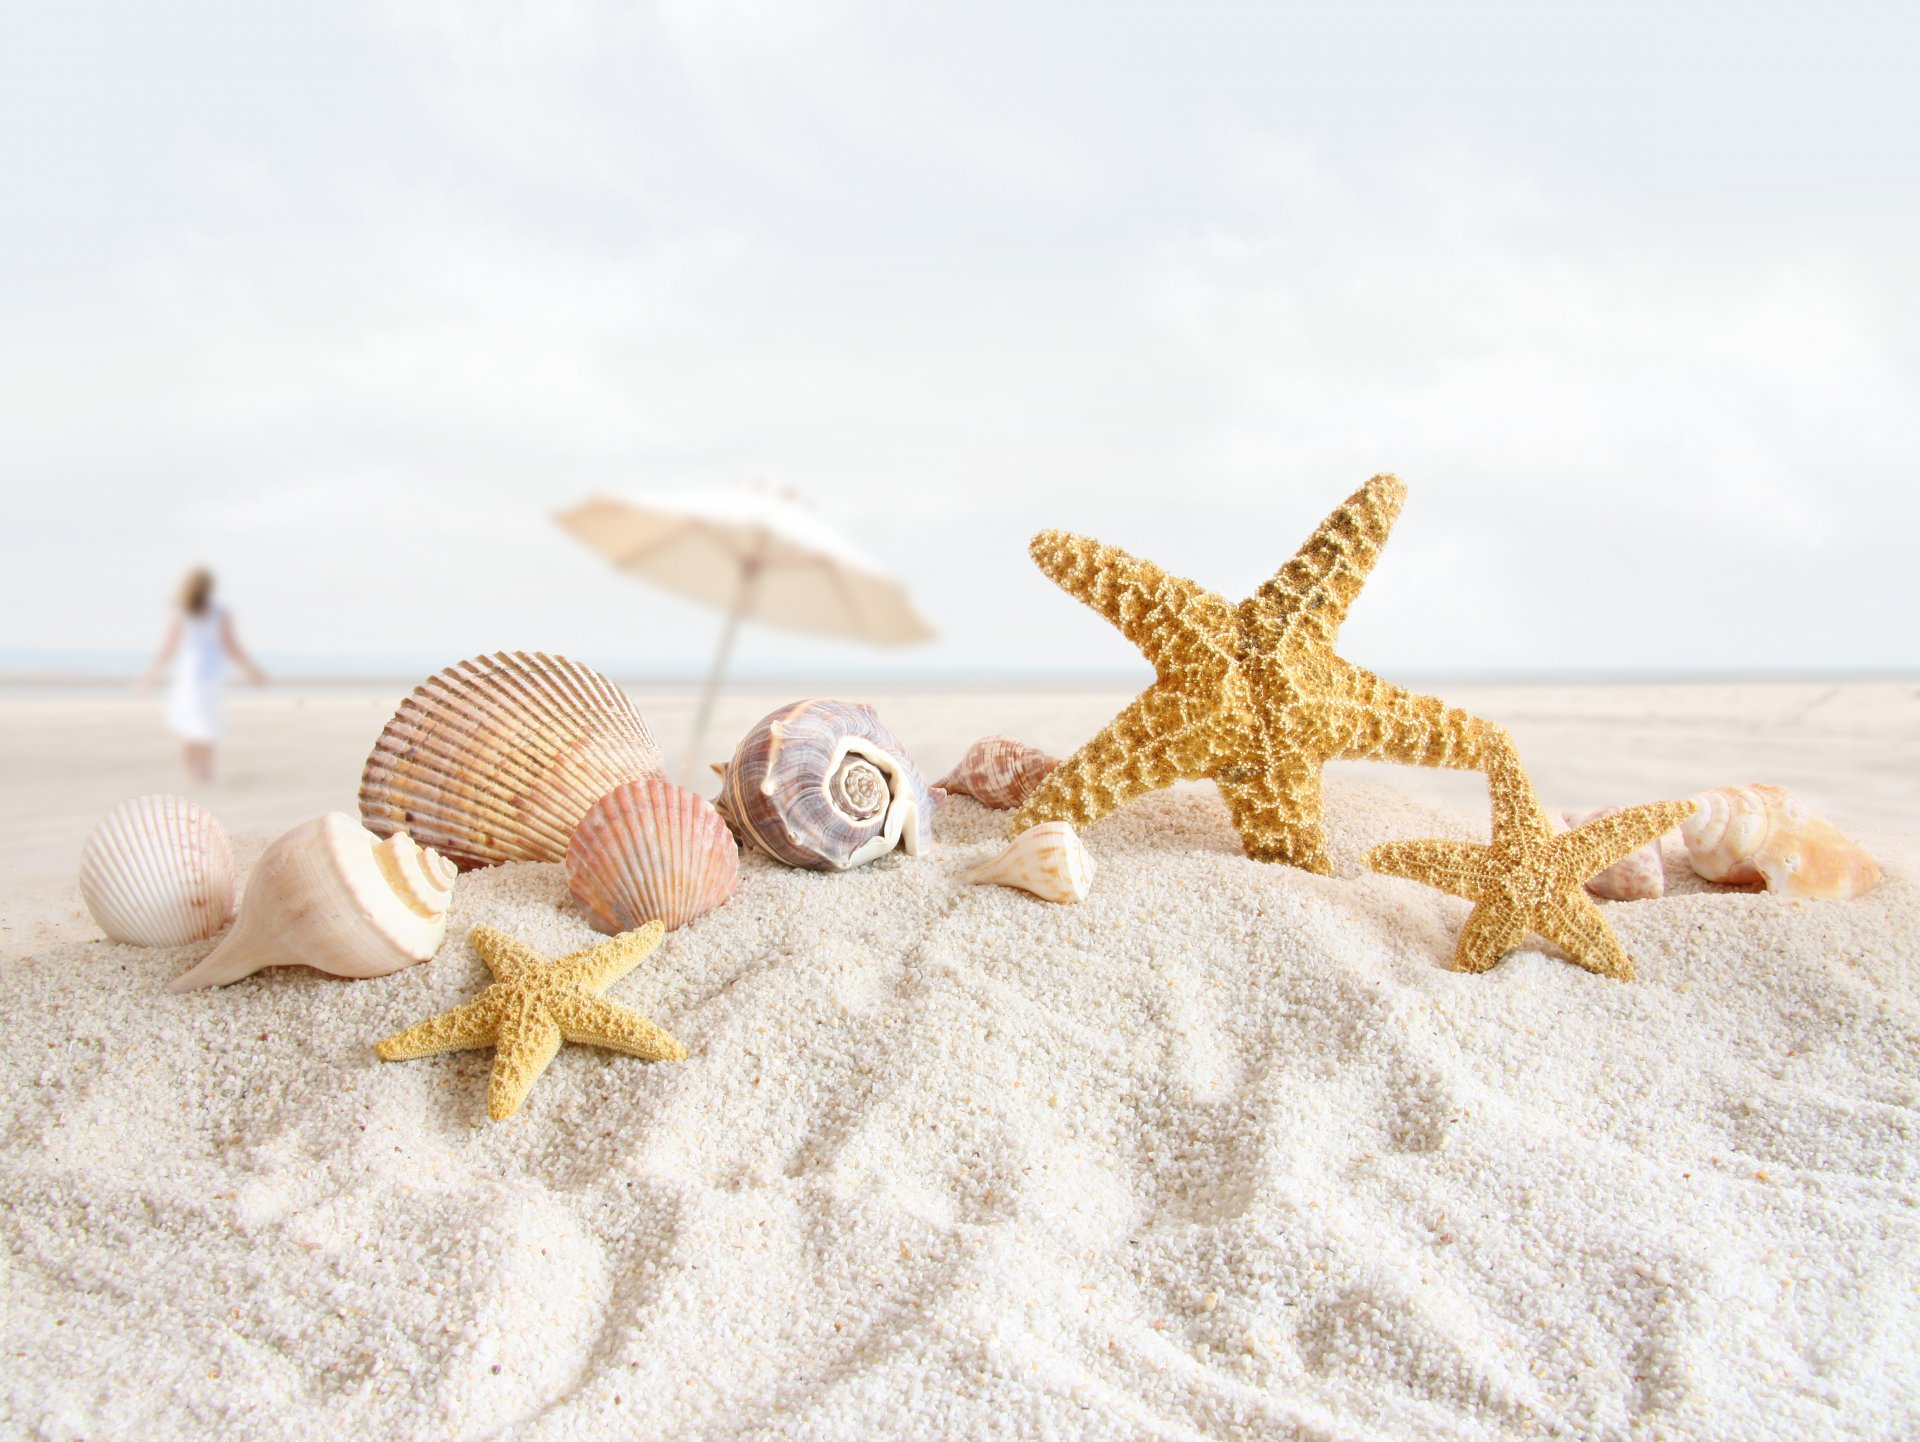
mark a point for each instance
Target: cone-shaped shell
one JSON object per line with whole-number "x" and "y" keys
{"x": 497, "y": 758}
{"x": 648, "y": 851}
{"x": 1741, "y": 835}
{"x": 822, "y": 784}
{"x": 1049, "y": 860}
{"x": 332, "y": 895}
{"x": 1000, "y": 772}
{"x": 1639, "y": 876}
{"x": 158, "y": 871}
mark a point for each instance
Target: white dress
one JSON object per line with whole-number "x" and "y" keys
{"x": 193, "y": 703}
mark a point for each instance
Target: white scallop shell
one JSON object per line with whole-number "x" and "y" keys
{"x": 497, "y": 758}
{"x": 158, "y": 871}
{"x": 1640, "y": 875}
{"x": 1000, "y": 772}
{"x": 1049, "y": 860}
{"x": 1742, "y": 835}
{"x": 331, "y": 895}
{"x": 649, "y": 851}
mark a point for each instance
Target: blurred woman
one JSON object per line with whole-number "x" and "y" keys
{"x": 199, "y": 644}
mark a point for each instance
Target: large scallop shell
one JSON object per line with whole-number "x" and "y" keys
{"x": 158, "y": 871}
{"x": 1640, "y": 875}
{"x": 333, "y": 896}
{"x": 649, "y": 851}
{"x": 822, "y": 784}
{"x": 1000, "y": 772}
{"x": 1741, "y": 835}
{"x": 1049, "y": 860}
{"x": 497, "y": 758}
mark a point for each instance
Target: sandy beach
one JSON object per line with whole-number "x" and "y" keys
{"x": 1226, "y": 1151}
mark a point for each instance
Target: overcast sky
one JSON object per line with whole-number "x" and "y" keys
{"x": 345, "y": 299}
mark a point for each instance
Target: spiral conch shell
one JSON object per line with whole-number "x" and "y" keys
{"x": 1049, "y": 860}
{"x": 1746, "y": 834}
{"x": 158, "y": 871}
{"x": 332, "y": 895}
{"x": 823, "y": 785}
{"x": 497, "y": 758}
{"x": 1638, "y": 876}
{"x": 649, "y": 851}
{"x": 1000, "y": 772}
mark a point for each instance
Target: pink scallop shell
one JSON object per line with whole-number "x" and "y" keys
{"x": 650, "y": 851}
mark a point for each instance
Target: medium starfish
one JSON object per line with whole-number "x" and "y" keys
{"x": 533, "y": 1005}
{"x": 1531, "y": 879}
{"x": 1252, "y": 695}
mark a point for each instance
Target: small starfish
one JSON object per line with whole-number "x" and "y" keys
{"x": 1530, "y": 879}
{"x": 533, "y": 1005}
{"x": 1251, "y": 696}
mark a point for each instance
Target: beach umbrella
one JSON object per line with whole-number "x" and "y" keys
{"x": 758, "y": 554}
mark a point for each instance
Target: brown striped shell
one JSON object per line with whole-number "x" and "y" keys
{"x": 649, "y": 851}
{"x": 497, "y": 758}
{"x": 823, "y": 785}
{"x": 1000, "y": 772}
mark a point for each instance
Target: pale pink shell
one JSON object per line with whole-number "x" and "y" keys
{"x": 1000, "y": 772}
{"x": 650, "y": 851}
{"x": 1742, "y": 835}
{"x": 1639, "y": 876}
{"x": 157, "y": 871}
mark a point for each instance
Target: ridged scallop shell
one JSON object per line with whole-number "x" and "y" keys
{"x": 158, "y": 871}
{"x": 1049, "y": 860}
{"x": 1741, "y": 835}
{"x": 1000, "y": 772}
{"x": 331, "y": 895}
{"x": 497, "y": 758}
{"x": 1639, "y": 876}
{"x": 649, "y": 851}
{"x": 822, "y": 784}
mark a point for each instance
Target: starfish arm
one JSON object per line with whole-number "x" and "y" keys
{"x": 505, "y": 957}
{"x": 1315, "y": 588}
{"x": 1276, "y": 810}
{"x": 1160, "y": 738}
{"x": 1493, "y": 929}
{"x": 1457, "y": 867}
{"x": 595, "y": 1021}
{"x": 1367, "y": 718}
{"x": 1574, "y": 924}
{"x": 529, "y": 1040}
{"x": 1591, "y": 849}
{"x": 599, "y": 967}
{"x": 1166, "y": 616}
{"x": 1520, "y": 825}
{"x": 462, "y": 1029}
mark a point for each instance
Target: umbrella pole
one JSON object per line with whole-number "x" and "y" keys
{"x": 749, "y": 574}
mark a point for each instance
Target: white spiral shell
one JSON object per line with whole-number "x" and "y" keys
{"x": 1049, "y": 860}
{"x": 1742, "y": 835}
{"x": 158, "y": 871}
{"x": 650, "y": 851}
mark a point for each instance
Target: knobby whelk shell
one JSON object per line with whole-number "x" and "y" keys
{"x": 497, "y": 758}
{"x": 823, "y": 785}
{"x": 331, "y": 895}
{"x": 650, "y": 851}
{"x": 1639, "y": 876}
{"x": 1049, "y": 860}
{"x": 158, "y": 871}
{"x": 1742, "y": 835}
{"x": 1000, "y": 772}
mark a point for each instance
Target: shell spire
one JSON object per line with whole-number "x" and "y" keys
{"x": 1049, "y": 860}
{"x": 1000, "y": 772}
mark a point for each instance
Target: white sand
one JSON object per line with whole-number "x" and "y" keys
{"x": 1225, "y": 1152}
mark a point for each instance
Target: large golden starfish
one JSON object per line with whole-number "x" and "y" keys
{"x": 1252, "y": 695}
{"x": 1530, "y": 879}
{"x": 533, "y": 1005}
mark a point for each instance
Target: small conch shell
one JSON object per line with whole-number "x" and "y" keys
{"x": 158, "y": 871}
{"x": 650, "y": 851}
{"x": 1000, "y": 772}
{"x": 1742, "y": 835}
{"x": 1049, "y": 860}
{"x": 822, "y": 784}
{"x": 332, "y": 895}
{"x": 1638, "y": 876}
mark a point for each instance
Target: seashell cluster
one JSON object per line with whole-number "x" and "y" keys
{"x": 331, "y": 895}
{"x": 1743, "y": 835}
{"x": 1000, "y": 772}
{"x": 158, "y": 871}
{"x": 1049, "y": 860}
{"x": 823, "y": 785}
{"x": 649, "y": 851}
{"x": 1639, "y": 876}
{"x": 497, "y": 758}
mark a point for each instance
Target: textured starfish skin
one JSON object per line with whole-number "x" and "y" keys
{"x": 535, "y": 1004}
{"x": 1530, "y": 879}
{"x": 1251, "y": 696}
